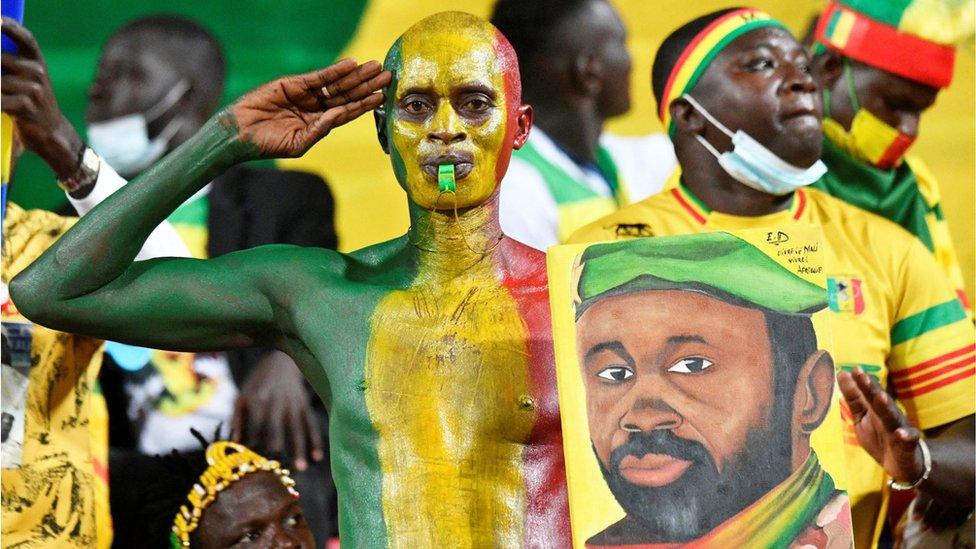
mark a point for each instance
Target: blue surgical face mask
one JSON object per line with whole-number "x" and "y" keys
{"x": 124, "y": 142}
{"x": 755, "y": 166}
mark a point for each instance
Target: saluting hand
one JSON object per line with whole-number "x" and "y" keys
{"x": 284, "y": 118}
{"x": 881, "y": 427}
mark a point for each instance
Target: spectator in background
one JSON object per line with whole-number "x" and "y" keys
{"x": 158, "y": 80}
{"x": 55, "y": 482}
{"x": 881, "y": 65}
{"x": 576, "y": 75}
{"x": 874, "y": 98}
{"x": 239, "y": 496}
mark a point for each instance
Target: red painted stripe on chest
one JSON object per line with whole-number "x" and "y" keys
{"x": 547, "y": 516}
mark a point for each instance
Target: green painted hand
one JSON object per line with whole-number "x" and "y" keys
{"x": 285, "y": 117}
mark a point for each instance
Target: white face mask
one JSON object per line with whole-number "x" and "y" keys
{"x": 753, "y": 165}
{"x": 124, "y": 142}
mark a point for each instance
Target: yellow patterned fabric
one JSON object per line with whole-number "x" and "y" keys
{"x": 58, "y": 496}
{"x": 895, "y": 314}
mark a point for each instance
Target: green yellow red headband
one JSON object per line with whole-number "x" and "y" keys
{"x": 702, "y": 50}
{"x": 880, "y": 45}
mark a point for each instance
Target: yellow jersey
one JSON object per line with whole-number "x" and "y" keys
{"x": 907, "y": 195}
{"x": 57, "y": 496}
{"x": 894, "y": 313}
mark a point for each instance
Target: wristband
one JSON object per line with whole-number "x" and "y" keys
{"x": 927, "y": 462}
{"x": 85, "y": 175}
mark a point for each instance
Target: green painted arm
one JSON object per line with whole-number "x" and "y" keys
{"x": 87, "y": 281}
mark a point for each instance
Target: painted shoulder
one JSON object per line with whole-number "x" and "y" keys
{"x": 296, "y": 259}
{"x": 383, "y": 263}
{"x": 523, "y": 264}
{"x": 636, "y": 220}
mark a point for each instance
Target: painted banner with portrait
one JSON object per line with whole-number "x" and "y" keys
{"x": 698, "y": 398}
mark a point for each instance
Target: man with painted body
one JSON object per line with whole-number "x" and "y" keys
{"x": 897, "y": 323}
{"x": 433, "y": 351}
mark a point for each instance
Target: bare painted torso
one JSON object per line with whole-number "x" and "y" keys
{"x": 444, "y": 424}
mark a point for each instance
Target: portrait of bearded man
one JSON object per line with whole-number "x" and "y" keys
{"x": 704, "y": 383}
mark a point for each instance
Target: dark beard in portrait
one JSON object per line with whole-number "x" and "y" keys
{"x": 702, "y": 498}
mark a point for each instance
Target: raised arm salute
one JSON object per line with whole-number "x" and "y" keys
{"x": 185, "y": 303}
{"x": 433, "y": 351}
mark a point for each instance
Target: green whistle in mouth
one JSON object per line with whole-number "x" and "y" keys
{"x": 445, "y": 178}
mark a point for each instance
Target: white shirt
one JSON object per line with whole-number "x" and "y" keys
{"x": 529, "y": 213}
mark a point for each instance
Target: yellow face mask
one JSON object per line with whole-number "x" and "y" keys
{"x": 869, "y": 139}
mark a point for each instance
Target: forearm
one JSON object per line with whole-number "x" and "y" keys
{"x": 102, "y": 245}
{"x": 63, "y": 150}
{"x": 164, "y": 241}
{"x": 953, "y": 475}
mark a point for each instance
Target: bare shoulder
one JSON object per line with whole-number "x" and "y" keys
{"x": 286, "y": 270}
{"x": 283, "y": 260}
{"x": 524, "y": 267}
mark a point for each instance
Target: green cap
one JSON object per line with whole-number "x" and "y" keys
{"x": 719, "y": 265}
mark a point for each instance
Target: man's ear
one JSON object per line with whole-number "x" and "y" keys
{"x": 814, "y": 389}
{"x": 686, "y": 118}
{"x": 827, "y": 69}
{"x": 523, "y": 122}
{"x": 379, "y": 116}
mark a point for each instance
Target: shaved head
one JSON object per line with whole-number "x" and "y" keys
{"x": 450, "y": 24}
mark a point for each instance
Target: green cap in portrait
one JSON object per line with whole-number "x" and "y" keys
{"x": 719, "y": 265}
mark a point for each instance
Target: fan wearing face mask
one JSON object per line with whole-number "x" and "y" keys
{"x": 124, "y": 141}
{"x": 736, "y": 95}
{"x": 882, "y": 64}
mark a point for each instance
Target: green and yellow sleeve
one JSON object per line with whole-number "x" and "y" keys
{"x": 932, "y": 360}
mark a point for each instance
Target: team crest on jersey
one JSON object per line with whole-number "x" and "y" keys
{"x": 845, "y": 295}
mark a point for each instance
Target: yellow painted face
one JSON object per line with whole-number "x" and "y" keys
{"x": 452, "y": 103}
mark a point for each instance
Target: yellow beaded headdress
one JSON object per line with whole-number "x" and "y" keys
{"x": 227, "y": 462}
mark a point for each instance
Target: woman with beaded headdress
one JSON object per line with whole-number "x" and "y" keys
{"x": 219, "y": 497}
